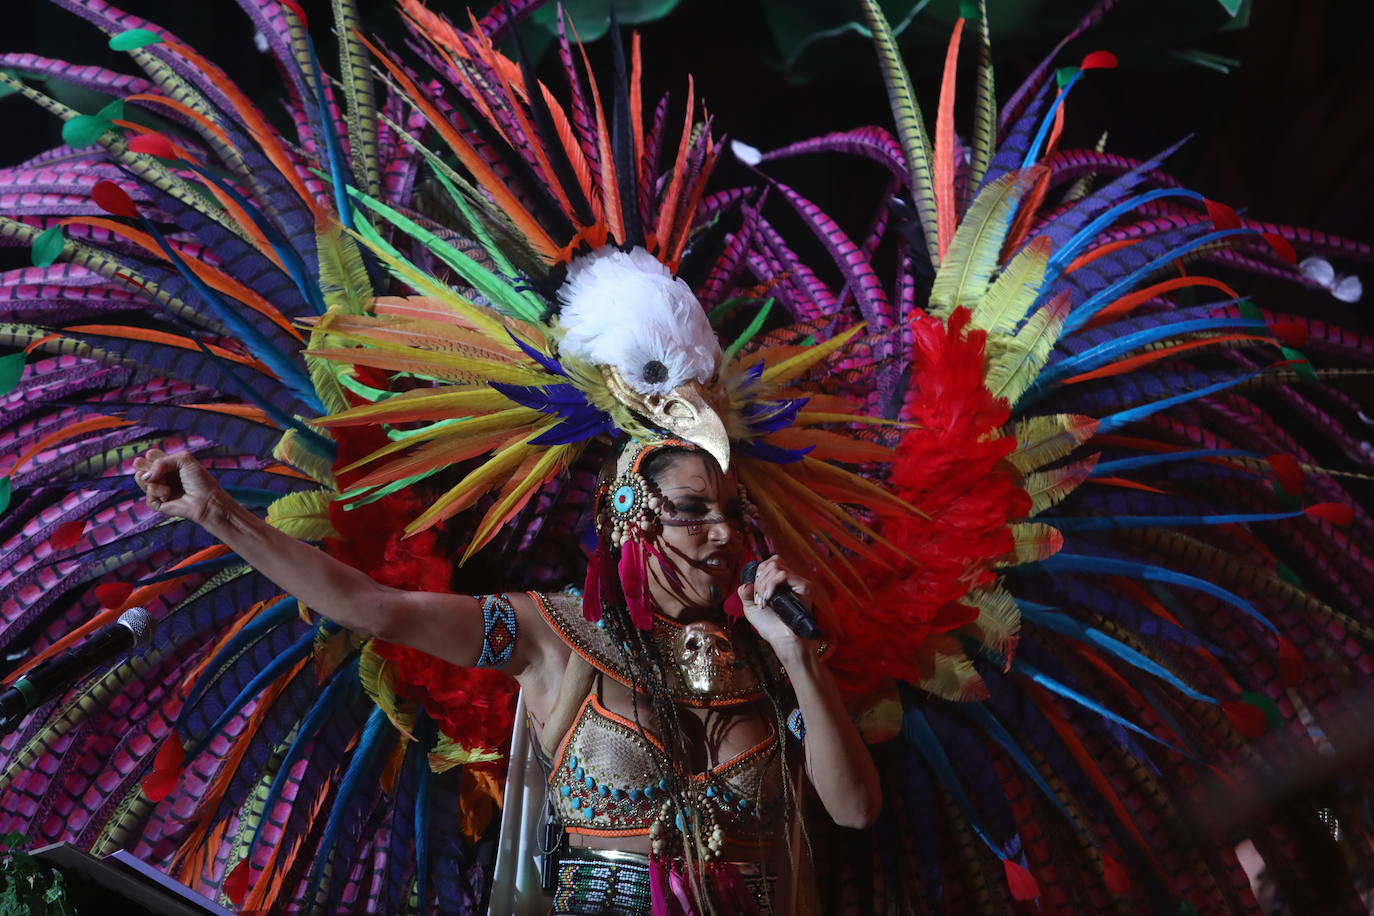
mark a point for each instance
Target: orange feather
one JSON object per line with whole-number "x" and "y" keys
{"x": 213, "y": 276}
{"x": 486, "y": 177}
{"x": 945, "y": 217}
{"x": 1125, "y": 304}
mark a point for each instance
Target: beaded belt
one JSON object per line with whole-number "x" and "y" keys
{"x": 607, "y": 882}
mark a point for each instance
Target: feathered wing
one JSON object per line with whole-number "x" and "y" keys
{"x": 1129, "y": 585}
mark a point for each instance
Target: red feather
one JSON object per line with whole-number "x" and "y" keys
{"x": 111, "y": 198}
{"x": 1022, "y": 883}
{"x": 68, "y": 533}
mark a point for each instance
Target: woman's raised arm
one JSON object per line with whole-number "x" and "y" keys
{"x": 450, "y": 627}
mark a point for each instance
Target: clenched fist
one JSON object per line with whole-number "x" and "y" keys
{"x": 178, "y": 485}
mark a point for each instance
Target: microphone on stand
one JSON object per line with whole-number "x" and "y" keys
{"x": 52, "y": 678}
{"x": 785, "y": 604}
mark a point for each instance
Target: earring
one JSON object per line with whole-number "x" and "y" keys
{"x": 629, "y": 509}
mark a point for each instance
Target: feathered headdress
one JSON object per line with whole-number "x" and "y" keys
{"x": 557, "y": 317}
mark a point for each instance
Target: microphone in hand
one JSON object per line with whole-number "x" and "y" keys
{"x": 785, "y": 604}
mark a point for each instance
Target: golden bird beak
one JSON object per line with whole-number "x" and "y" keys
{"x": 686, "y": 412}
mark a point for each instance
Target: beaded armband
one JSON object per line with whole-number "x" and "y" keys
{"x": 498, "y": 632}
{"x": 795, "y": 725}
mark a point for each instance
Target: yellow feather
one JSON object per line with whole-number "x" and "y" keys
{"x": 1043, "y": 440}
{"x": 484, "y": 478}
{"x": 378, "y": 685}
{"x": 794, "y": 366}
{"x": 952, "y": 675}
{"x": 1048, "y": 488}
{"x": 420, "y": 404}
{"x": 999, "y": 620}
{"x": 303, "y": 515}
{"x": 1017, "y": 361}
{"x": 1034, "y": 542}
{"x": 973, "y": 254}
{"x": 459, "y": 438}
{"x": 288, "y": 450}
{"x": 554, "y": 459}
{"x": 458, "y": 369}
{"x": 1005, "y": 305}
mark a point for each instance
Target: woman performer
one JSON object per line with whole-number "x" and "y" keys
{"x": 669, "y": 762}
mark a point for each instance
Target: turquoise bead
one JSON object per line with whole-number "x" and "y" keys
{"x": 745, "y": 804}
{"x": 603, "y": 791}
{"x": 589, "y": 782}
{"x": 663, "y": 785}
{"x": 565, "y": 791}
{"x": 636, "y": 795}
{"x": 579, "y": 773}
{"x": 650, "y": 792}
{"x": 576, "y": 803}
{"x": 588, "y": 813}
{"x": 572, "y": 763}
{"x": 617, "y": 793}
{"x": 710, "y": 791}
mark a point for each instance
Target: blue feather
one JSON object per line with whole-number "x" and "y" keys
{"x": 919, "y": 733}
{"x": 360, "y": 771}
{"x": 427, "y": 733}
{"x": 1075, "y": 629}
{"x": 1113, "y": 422}
{"x": 286, "y": 368}
{"x": 252, "y": 631}
{"x": 1122, "y": 465}
{"x": 1021, "y": 666}
{"x": 1120, "y": 345}
{"x": 1078, "y": 563}
{"x": 298, "y": 650}
{"x": 1085, "y": 311}
{"x": 549, "y": 363}
{"x": 1117, "y": 522}
{"x": 329, "y": 699}
{"x": 1070, "y": 249}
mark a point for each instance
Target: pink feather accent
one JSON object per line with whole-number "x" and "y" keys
{"x": 634, "y": 580}
{"x": 677, "y": 882}
{"x": 658, "y": 889}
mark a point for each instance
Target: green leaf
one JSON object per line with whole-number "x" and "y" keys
{"x": 592, "y": 17}
{"x": 11, "y": 367}
{"x": 134, "y": 38}
{"x": 112, "y": 111}
{"x": 968, "y": 9}
{"x": 797, "y": 26}
{"x": 13, "y": 840}
{"x": 4, "y": 494}
{"x": 1232, "y": 7}
{"x": 47, "y": 247}
{"x": 84, "y": 130}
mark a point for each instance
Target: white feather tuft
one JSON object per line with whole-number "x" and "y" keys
{"x": 624, "y": 309}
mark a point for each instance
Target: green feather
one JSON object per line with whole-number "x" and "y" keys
{"x": 47, "y": 247}
{"x": 501, "y": 295}
{"x": 911, "y": 129}
{"x": 11, "y": 368}
{"x": 132, "y": 39}
{"x": 743, "y": 340}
